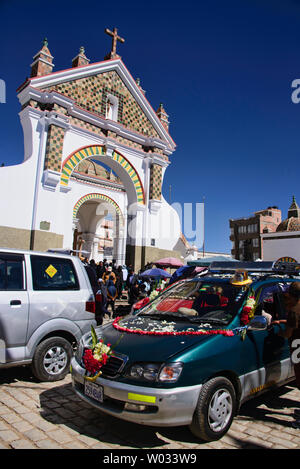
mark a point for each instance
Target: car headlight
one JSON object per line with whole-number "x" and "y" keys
{"x": 170, "y": 373}
{"x": 166, "y": 373}
{"x": 147, "y": 371}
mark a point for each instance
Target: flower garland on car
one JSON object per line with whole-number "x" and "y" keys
{"x": 171, "y": 332}
{"x": 96, "y": 357}
{"x": 249, "y": 308}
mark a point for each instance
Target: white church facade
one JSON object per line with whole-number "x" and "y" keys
{"x": 97, "y": 116}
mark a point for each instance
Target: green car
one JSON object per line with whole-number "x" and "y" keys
{"x": 192, "y": 355}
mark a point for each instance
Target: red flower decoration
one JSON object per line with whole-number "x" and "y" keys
{"x": 91, "y": 364}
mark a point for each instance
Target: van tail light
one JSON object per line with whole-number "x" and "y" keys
{"x": 98, "y": 298}
{"x": 90, "y": 306}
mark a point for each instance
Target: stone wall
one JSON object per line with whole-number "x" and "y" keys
{"x": 139, "y": 256}
{"x": 37, "y": 240}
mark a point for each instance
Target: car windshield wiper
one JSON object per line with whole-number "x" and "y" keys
{"x": 210, "y": 320}
{"x": 178, "y": 316}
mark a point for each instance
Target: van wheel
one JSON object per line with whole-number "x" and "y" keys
{"x": 215, "y": 409}
{"x": 51, "y": 360}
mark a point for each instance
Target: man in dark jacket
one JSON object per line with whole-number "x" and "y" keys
{"x": 101, "y": 302}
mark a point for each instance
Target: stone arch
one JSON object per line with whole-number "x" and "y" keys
{"x": 90, "y": 234}
{"x": 101, "y": 197}
{"x": 76, "y": 157}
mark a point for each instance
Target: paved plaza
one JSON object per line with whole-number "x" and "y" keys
{"x": 37, "y": 415}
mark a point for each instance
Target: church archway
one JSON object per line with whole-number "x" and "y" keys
{"x": 99, "y": 228}
{"x": 121, "y": 165}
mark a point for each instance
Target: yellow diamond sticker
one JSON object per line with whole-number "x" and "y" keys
{"x": 51, "y": 270}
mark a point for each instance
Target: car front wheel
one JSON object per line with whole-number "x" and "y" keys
{"x": 215, "y": 409}
{"x": 51, "y": 360}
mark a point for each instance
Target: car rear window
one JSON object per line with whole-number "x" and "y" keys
{"x": 51, "y": 273}
{"x": 11, "y": 272}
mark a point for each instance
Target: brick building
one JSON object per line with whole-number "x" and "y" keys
{"x": 245, "y": 233}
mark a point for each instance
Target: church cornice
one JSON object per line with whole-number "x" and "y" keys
{"x": 83, "y": 71}
{"x": 73, "y": 110}
{"x": 97, "y": 181}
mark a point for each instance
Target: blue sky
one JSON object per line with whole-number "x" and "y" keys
{"x": 223, "y": 71}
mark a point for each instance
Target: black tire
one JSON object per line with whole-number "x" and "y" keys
{"x": 51, "y": 360}
{"x": 215, "y": 409}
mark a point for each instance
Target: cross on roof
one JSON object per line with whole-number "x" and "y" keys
{"x": 115, "y": 38}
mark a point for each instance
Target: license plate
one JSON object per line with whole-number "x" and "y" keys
{"x": 94, "y": 391}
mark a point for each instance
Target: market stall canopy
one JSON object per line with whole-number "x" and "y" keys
{"x": 157, "y": 273}
{"x": 208, "y": 260}
{"x": 169, "y": 262}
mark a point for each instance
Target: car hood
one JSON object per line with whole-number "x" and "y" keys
{"x": 140, "y": 346}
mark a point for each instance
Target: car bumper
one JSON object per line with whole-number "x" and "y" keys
{"x": 161, "y": 407}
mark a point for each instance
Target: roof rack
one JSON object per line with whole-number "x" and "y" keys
{"x": 266, "y": 267}
{"x": 66, "y": 251}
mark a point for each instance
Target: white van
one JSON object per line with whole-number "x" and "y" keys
{"x": 46, "y": 305}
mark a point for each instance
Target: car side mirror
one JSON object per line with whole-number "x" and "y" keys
{"x": 258, "y": 323}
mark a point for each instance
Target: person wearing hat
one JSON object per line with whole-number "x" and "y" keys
{"x": 109, "y": 273}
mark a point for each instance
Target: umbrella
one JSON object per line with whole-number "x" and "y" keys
{"x": 155, "y": 273}
{"x": 169, "y": 262}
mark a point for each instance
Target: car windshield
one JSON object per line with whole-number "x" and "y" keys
{"x": 214, "y": 302}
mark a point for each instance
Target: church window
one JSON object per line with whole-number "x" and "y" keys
{"x": 112, "y": 105}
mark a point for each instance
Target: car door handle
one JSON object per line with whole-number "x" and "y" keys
{"x": 15, "y": 302}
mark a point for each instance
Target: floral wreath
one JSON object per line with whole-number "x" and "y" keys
{"x": 120, "y": 328}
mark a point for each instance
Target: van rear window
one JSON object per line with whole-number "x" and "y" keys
{"x": 51, "y": 273}
{"x": 11, "y": 272}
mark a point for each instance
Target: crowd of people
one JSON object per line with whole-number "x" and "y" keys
{"x": 111, "y": 282}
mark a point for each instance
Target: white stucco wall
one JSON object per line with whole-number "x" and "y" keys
{"x": 164, "y": 226}
{"x": 273, "y": 249}
{"x": 18, "y": 182}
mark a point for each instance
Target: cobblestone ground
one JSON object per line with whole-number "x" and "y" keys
{"x": 50, "y": 415}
